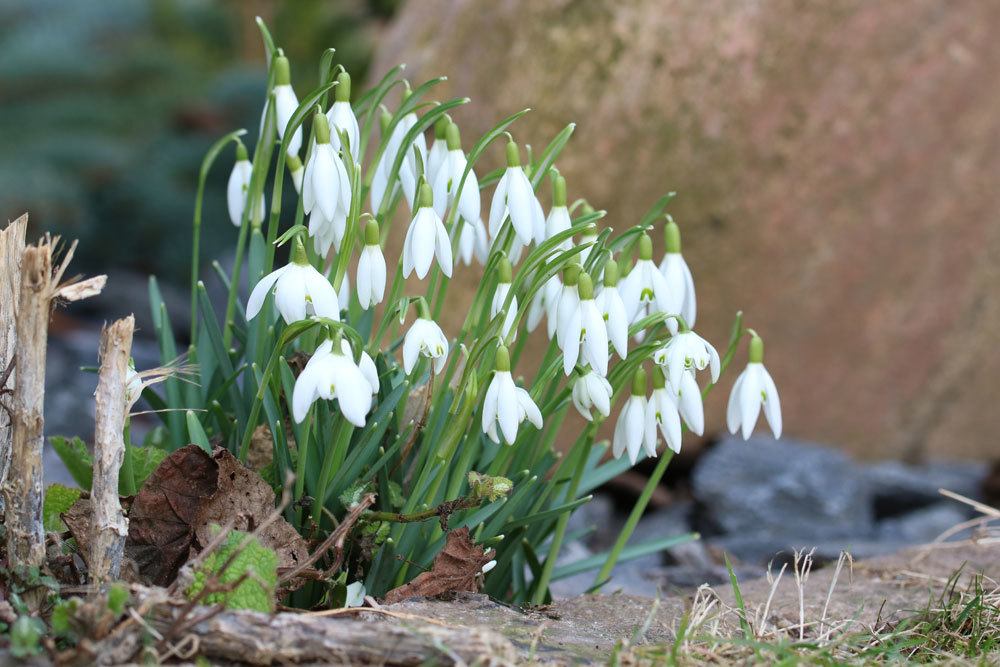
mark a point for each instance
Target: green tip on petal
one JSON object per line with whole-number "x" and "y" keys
{"x": 441, "y": 126}
{"x": 639, "y": 382}
{"x": 321, "y": 128}
{"x": 299, "y": 255}
{"x": 293, "y": 162}
{"x": 503, "y": 359}
{"x": 559, "y": 191}
{"x": 513, "y": 155}
{"x": 506, "y": 272}
{"x": 372, "y": 233}
{"x": 425, "y": 196}
{"x": 342, "y": 93}
{"x": 756, "y": 349}
{"x": 610, "y": 273}
{"x": 571, "y": 275}
{"x": 672, "y": 235}
{"x": 585, "y": 286}
{"x": 241, "y": 152}
{"x": 645, "y": 247}
{"x": 453, "y": 137}
{"x": 659, "y": 379}
{"x": 282, "y": 71}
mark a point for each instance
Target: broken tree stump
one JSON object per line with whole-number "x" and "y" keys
{"x": 11, "y": 249}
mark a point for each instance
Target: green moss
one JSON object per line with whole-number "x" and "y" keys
{"x": 257, "y": 562}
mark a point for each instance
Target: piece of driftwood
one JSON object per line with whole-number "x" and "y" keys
{"x": 23, "y": 490}
{"x": 11, "y": 249}
{"x": 109, "y": 527}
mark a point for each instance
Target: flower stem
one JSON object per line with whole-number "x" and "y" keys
{"x": 443, "y": 510}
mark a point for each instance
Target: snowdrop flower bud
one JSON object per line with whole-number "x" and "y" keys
{"x": 285, "y": 102}
{"x": 644, "y": 290}
{"x": 506, "y": 405}
{"x": 500, "y": 297}
{"x": 612, "y": 309}
{"x": 408, "y": 170}
{"x": 439, "y": 149}
{"x": 426, "y": 239}
{"x": 636, "y": 428}
{"x": 449, "y": 175}
{"x": 326, "y": 190}
{"x": 567, "y": 316}
{"x": 754, "y": 389}
{"x": 239, "y": 187}
{"x": 515, "y": 197}
{"x": 332, "y": 374}
{"x": 663, "y": 406}
{"x": 371, "y": 269}
{"x": 591, "y": 390}
{"x": 558, "y": 220}
{"x": 426, "y": 339}
{"x": 587, "y": 325}
{"x": 472, "y": 241}
{"x": 341, "y": 117}
{"x": 295, "y": 170}
{"x": 687, "y": 351}
{"x": 299, "y": 290}
{"x": 680, "y": 284}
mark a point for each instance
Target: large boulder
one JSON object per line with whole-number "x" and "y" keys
{"x": 836, "y": 165}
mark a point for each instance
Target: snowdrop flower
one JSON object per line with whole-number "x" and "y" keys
{"x": 407, "y": 176}
{"x": 680, "y": 284}
{"x": 424, "y": 339}
{"x": 285, "y": 102}
{"x": 366, "y": 364}
{"x": 326, "y": 190}
{"x": 754, "y": 389}
{"x": 332, "y": 374}
{"x": 589, "y": 235}
{"x": 612, "y": 309}
{"x": 689, "y": 401}
{"x": 636, "y": 428}
{"x": 344, "y": 293}
{"x": 439, "y": 149}
{"x": 299, "y": 290}
{"x": 500, "y": 298}
{"x": 426, "y": 239}
{"x": 591, "y": 390}
{"x": 371, "y": 269}
{"x": 559, "y": 220}
{"x": 562, "y": 312}
{"x": 644, "y": 290}
{"x": 472, "y": 241}
{"x": 587, "y": 326}
{"x": 355, "y": 594}
{"x": 238, "y": 188}
{"x": 663, "y": 406}
{"x": 515, "y": 197}
{"x": 507, "y": 405}
{"x": 296, "y": 171}
{"x": 449, "y": 175}
{"x": 341, "y": 117}
{"x": 687, "y": 351}
{"x": 489, "y": 565}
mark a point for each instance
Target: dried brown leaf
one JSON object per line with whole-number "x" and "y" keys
{"x": 455, "y": 569}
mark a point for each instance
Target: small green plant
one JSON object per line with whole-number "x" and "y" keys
{"x": 241, "y": 574}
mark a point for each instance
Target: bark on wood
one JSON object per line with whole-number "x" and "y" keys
{"x": 11, "y": 249}
{"x": 109, "y": 527}
{"x": 23, "y": 490}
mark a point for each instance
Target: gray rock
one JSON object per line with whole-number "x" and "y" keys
{"x": 899, "y": 488}
{"x": 923, "y": 525}
{"x": 786, "y": 488}
{"x": 599, "y": 520}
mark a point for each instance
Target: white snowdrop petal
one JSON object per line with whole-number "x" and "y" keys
{"x": 260, "y": 291}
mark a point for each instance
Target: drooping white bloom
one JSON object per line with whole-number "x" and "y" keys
{"x": 590, "y": 391}
{"x": 366, "y": 364}
{"x": 472, "y": 241}
{"x": 355, "y": 594}
{"x": 326, "y": 233}
{"x": 238, "y": 188}
{"x": 342, "y": 119}
{"x": 506, "y": 405}
{"x": 408, "y": 169}
{"x": 687, "y": 350}
{"x": 549, "y": 297}
{"x": 500, "y": 298}
{"x": 448, "y": 176}
{"x": 296, "y": 171}
{"x": 753, "y": 390}
{"x": 326, "y": 190}
{"x": 587, "y": 326}
{"x": 565, "y": 313}
{"x": 612, "y": 309}
{"x": 438, "y": 150}
{"x": 332, "y": 374}
{"x": 426, "y": 339}
{"x": 663, "y": 406}
{"x": 285, "y": 103}
{"x": 636, "y": 427}
{"x": 299, "y": 291}
{"x": 426, "y": 239}
{"x": 644, "y": 290}
{"x": 371, "y": 269}
{"x": 515, "y": 197}
{"x": 344, "y": 293}
{"x": 689, "y": 403}
{"x": 559, "y": 220}
{"x": 680, "y": 284}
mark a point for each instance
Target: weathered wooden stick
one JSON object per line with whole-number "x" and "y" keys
{"x": 23, "y": 489}
{"x": 11, "y": 249}
{"x": 109, "y": 527}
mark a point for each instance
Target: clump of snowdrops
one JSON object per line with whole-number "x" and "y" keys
{"x": 342, "y": 362}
